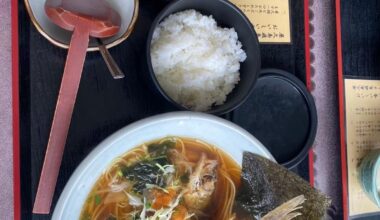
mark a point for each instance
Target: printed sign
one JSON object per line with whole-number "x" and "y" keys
{"x": 362, "y": 106}
{"x": 271, "y": 19}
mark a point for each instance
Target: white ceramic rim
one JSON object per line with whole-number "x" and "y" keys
{"x": 63, "y": 45}
{"x": 59, "y": 210}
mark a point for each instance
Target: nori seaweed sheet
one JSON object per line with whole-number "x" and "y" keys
{"x": 266, "y": 185}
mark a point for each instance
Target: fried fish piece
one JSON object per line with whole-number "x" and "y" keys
{"x": 201, "y": 184}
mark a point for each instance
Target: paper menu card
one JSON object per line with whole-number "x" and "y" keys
{"x": 271, "y": 19}
{"x": 362, "y": 104}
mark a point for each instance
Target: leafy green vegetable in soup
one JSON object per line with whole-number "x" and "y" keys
{"x": 150, "y": 170}
{"x": 145, "y": 172}
{"x": 98, "y": 199}
{"x": 160, "y": 149}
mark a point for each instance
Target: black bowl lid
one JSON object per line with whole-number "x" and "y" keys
{"x": 281, "y": 114}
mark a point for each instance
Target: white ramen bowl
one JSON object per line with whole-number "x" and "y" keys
{"x": 216, "y": 131}
{"x": 127, "y": 9}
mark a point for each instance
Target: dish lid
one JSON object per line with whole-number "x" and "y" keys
{"x": 281, "y": 114}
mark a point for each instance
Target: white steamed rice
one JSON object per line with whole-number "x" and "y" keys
{"x": 196, "y": 62}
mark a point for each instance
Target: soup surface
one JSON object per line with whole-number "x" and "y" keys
{"x": 172, "y": 178}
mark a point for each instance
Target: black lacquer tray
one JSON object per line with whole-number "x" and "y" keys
{"x": 105, "y": 105}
